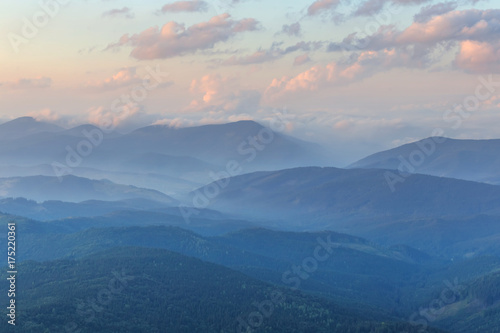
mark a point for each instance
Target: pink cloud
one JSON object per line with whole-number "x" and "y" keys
{"x": 321, "y": 5}
{"x": 474, "y": 33}
{"x": 302, "y": 59}
{"x": 106, "y": 118}
{"x": 222, "y": 94}
{"x": 124, "y": 77}
{"x": 454, "y": 25}
{"x": 478, "y": 57}
{"x": 363, "y": 65}
{"x": 185, "y": 6}
{"x": 174, "y": 39}
{"x": 45, "y": 115}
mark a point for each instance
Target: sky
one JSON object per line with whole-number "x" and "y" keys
{"x": 355, "y": 76}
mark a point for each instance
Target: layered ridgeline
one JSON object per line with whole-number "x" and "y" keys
{"x": 348, "y": 272}
{"x": 336, "y": 195}
{"x": 477, "y": 160}
{"x": 151, "y": 290}
{"x": 158, "y": 157}
{"x": 75, "y": 189}
{"x": 448, "y": 217}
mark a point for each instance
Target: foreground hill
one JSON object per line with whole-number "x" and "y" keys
{"x": 356, "y": 273}
{"x": 477, "y": 160}
{"x": 149, "y": 290}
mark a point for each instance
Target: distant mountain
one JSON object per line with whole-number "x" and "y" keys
{"x": 74, "y": 189}
{"x": 332, "y": 197}
{"x": 246, "y": 142}
{"x": 54, "y": 210}
{"x": 168, "y": 164}
{"x": 160, "y": 181}
{"x": 477, "y": 160}
{"x": 25, "y": 126}
{"x": 172, "y": 160}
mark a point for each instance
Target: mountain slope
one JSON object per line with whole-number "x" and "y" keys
{"x": 74, "y": 189}
{"x": 219, "y": 144}
{"x": 477, "y": 160}
{"x": 311, "y": 194}
{"x": 245, "y": 141}
{"x": 25, "y": 126}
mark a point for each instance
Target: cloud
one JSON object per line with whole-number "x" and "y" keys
{"x": 222, "y": 94}
{"x": 124, "y": 12}
{"x": 360, "y": 66}
{"x": 185, "y": 6}
{"x": 456, "y": 25}
{"x": 174, "y": 39}
{"x": 428, "y": 12}
{"x": 478, "y": 57}
{"x": 450, "y": 27}
{"x": 302, "y": 59}
{"x": 45, "y": 115}
{"x": 473, "y": 32}
{"x": 40, "y": 82}
{"x": 274, "y": 53}
{"x": 320, "y": 6}
{"x": 372, "y": 7}
{"x": 255, "y": 58}
{"x": 107, "y": 118}
{"x": 124, "y": 77}
{"x": 174, "y": 122}
{"x": 293, "y": 29}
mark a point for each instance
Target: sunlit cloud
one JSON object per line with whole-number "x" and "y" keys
{"x": 175, "y": 39}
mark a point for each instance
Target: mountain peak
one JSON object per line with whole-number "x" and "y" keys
{"x": 22, "y": 120}
{"x": 24, "y": 126}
